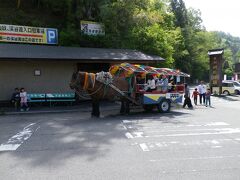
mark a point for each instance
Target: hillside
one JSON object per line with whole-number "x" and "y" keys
{"x": 160, "y": 27}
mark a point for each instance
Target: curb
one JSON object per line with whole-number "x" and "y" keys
{"x": 56, "y": 111}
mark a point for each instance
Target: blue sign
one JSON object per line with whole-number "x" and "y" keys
{"x": 52, "y": 36}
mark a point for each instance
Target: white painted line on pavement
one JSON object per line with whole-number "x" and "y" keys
{"x": 210, "y": 124}
{"x": 129, "y": 135}
{"x": 138, "y": 134}
{"x": 144, "y": 147}
{"x": 211, "y": 143}
{"x": 217, "y": 124}
{"x": 220, "y": 131}
{"x": 124, "y": 127}
{"x": 181, "y": 130}
{"x": 216, "y": 147}
{"x": 196, "y": 158}
{"x": 214, "y": 142}
{"x": 126, "y": 121}
{"x": 17, "y": 140}
{"x": 180, "y": 126}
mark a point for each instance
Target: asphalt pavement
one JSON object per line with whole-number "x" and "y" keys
{"x": 186, "y": 144}
{"x": 84, "y": 106}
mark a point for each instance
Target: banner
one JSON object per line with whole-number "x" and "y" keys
{"x": 92, "y": 28}
{"x": 27, "y": 34}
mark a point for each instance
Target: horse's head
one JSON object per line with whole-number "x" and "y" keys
{"x": 77, "y": 80}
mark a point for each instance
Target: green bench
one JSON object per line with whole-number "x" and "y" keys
{"x": 60, "y": 97}
{"x": 51, "y": 98}
{"x": 36, "y": 97}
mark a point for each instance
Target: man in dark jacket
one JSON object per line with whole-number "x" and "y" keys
{"x": 16, "y": 98}
{"x": 187, "y": 100}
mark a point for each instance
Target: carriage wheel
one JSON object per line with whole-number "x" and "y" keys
{"x": 164, "y": 106}
{"x": 148, "y": 108}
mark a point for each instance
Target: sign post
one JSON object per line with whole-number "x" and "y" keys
{"x": 216, "y": 62}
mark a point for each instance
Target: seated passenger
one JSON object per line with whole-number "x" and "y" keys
{"x": 171, "y": 86}
{"x": 163, "y": 83}
{"x": 156, "y": 80}
{"x": 140, "y": 82}
{"x": 151, "y": 85}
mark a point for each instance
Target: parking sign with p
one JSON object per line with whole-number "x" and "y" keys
{"x": 52, "y": 36}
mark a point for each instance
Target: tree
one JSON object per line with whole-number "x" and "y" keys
{"x": 18, "y": 4}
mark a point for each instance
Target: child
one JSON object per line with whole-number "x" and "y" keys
{"x": 208, "y": 98}
{"x": 23, "y": 96}
{"x": 195, "y": 95}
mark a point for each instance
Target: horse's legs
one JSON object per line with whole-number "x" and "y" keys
{"x": 95, "y": 108}
{"x": 125, "y": 109}
{"x": 122, "y": 110}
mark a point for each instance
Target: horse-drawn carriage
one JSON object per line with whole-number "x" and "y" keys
{"x": 138, "y": 85}
{"x": 162, "y": 94}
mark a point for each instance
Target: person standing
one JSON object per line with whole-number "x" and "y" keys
{"x": 23, "y": 102}
{"x": 195, "y": 96}
{"x": 208, "y": 98}
{"x": 202, "y": 92}
{"x": 187, "y": 100}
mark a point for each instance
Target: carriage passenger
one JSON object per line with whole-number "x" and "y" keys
{"x": 140, "y": 82}
{"x": 156, "y": 80}
{"x": 163, "y": 83}
{"x": 151, "y": 85}
{"x": 159, "y": 81}
{"x": 171, "y": 86}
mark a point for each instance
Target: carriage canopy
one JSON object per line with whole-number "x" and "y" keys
{"x": 127, "y": 70}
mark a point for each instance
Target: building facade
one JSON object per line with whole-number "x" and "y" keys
{"x": 48, "y": 69}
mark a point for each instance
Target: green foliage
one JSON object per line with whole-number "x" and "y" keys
{"x": 160, "y": 27}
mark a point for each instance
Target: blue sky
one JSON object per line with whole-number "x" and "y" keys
{"x": 219, "y": 15}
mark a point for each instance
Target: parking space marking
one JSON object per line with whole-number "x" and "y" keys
{"x": 18, "y": 139}
{"x": 129, "y": 135}
{"x": 210, "y": 143}
{"x": 220, "y": 131}
{"x": 144, "y": 147}
{"x": 196, "y": 158}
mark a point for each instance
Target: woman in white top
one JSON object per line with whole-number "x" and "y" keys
{"x": 151, "y": 85}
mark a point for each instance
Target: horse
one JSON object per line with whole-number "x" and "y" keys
{"x": 99, "y": 90}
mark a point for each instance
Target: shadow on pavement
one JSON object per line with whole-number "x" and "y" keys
{"x": 228, "y": 98}
{"x": 61, "y": 137}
